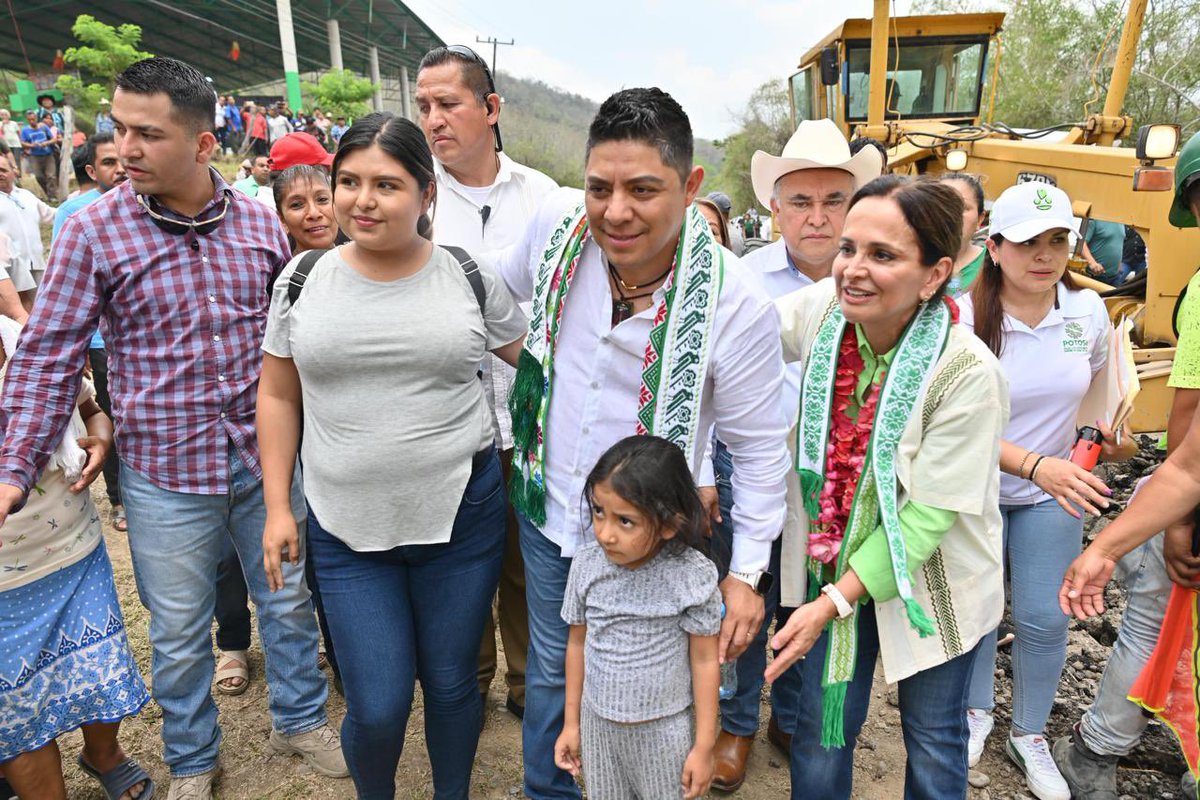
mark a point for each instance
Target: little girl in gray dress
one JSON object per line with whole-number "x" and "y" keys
{"x": 644, "y": 611}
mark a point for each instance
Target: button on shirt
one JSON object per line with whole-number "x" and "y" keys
{"x": 457, "y": 220}
{"x": 184, "y": 315}
{"x": 22, "y": 215}
{"x": 1049, "y": 369}
{"x": 597, "y": 379}
{"x": 772, "y": 268}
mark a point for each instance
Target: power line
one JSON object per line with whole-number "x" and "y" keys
{"x": 495, "y": 43}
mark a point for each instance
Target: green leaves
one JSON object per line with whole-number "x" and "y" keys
{"x": 339, "y": 93}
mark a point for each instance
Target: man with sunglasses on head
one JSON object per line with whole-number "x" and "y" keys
{"x": 484, "y": 202}
{"x": 179, "y": 265}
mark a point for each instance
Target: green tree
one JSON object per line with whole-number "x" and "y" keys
{"x": 339, "y": 93}
{"x": 104, "y": 53}
{"x": 766, "y": 125}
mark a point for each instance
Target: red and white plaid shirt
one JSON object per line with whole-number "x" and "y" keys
{"x": 184, "y": 320}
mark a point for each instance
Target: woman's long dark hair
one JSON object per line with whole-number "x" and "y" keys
{"x": 400, "y": 139}
{"x": 653, "y": 475}
{"x": 985, "y": 299}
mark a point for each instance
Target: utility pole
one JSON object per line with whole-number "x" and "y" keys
{"x": 495, "y": 43}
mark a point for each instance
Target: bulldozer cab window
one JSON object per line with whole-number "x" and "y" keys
{"x": 932, "y": 79}
{"x": 802, "y": 96}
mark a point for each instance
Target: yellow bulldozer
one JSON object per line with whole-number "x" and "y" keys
{"x": 917, "y": 84}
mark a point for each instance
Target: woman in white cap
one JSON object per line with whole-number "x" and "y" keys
{"x": 893, "y": 531}
{"x": 1051, "y": 339}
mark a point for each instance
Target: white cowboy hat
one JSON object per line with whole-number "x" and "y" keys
{"x": 816, "y": 144}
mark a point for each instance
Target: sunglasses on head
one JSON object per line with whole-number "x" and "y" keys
{"x": 467, "y": 53}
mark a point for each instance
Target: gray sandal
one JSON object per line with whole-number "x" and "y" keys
{"x": 121, "y": 778}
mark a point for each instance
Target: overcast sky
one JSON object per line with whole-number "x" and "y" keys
{"x": 709, "y": 55}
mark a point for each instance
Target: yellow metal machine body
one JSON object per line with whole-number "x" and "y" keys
{"x": 899, "y": 79}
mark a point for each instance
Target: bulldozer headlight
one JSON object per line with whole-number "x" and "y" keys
{"x": 1156, "y": 142}
{"x": 956, "y": 160}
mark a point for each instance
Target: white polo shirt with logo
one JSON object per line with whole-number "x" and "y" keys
{"x": 459, "y": 219}
{"x": 1049, "y": 369}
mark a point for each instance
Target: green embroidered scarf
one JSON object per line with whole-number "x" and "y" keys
{"x": 919, "y": 348}
{"x": 673, "y": 369}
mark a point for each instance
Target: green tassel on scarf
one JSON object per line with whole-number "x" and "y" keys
{"x": 833, "y": 701}
{"x": 918, "y": 619}
{"x": 811, "y": 484}
{"x": 525, "y": 400}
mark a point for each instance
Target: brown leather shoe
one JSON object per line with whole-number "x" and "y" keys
{"x": 777, "y": 737}
{"x": 729, "y": 761}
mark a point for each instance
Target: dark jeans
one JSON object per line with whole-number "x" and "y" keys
{"x": 933, "y": 718}
{"x": 414, "y": 612}
{"x": 98, "y": 357}
{"x": 739, "y": 714}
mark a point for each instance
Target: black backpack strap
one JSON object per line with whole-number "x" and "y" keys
{"x": 471, "y": 270}
{"x": 300, "y": 275}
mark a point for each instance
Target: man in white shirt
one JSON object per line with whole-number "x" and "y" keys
{"x": 808, "y": 189}
{"x": 278, "y": 125}
{"x": 623, "y": 253}
{"x": 22, "y": 215}
{"x": 484, "y": 202}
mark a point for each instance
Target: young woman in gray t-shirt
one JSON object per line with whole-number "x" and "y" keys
{"x": 377, "y": 357}
{"x": 644, "y": 611}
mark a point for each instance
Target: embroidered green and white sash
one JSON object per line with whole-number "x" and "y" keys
{"x": 912, "y": 367}
{"x": 673, "y": 369}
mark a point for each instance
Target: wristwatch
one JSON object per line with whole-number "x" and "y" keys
{"x": 760, "y": 582}
{"x": 844, "y": 609}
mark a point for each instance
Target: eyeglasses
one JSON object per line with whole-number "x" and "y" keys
{"x": 464, "y": 52}
{"x": 181, "y": 226}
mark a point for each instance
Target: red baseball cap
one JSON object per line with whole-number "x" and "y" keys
{"x": 299, "y": 148}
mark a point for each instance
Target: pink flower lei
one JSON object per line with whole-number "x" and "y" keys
{"x": 846, "y": 453}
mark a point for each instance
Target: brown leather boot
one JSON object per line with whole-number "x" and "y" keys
{"x": 778, "y": 737}
{"x": 729, "y": 761}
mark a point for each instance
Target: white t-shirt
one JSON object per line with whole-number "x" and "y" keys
{"x": 22, "y": 215}
{"x": 1049, "y": 370}
{"x": 511, "y": 200}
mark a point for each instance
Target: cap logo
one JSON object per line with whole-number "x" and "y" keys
{"x": 1042, "y": 202}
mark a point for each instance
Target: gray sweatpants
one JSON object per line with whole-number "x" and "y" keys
{"x": 634, "y": 761}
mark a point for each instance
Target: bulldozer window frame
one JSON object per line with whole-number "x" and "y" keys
{"x": 860, "y": 50}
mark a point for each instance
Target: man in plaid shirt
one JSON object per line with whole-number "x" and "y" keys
{"x": 178, "y": 265}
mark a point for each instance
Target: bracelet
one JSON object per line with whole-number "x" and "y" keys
{"x": 844, "y": 609}
{"x": 1021, "y": 468}
{"x": 1036, "y": 464}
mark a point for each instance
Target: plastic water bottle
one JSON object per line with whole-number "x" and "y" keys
{"x": 728, "y": 673}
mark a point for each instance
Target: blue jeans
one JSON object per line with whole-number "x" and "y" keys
{"x": 933, "y": 718}
{"x": 414, "y": 612}
{"x": 739, "y": 714}
{"x": 176, "y": 541}
{"x": 1040, "y": 542}
{"x": 545, "y": 677}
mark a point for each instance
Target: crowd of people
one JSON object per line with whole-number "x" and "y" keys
{"x": 349, "y": 389}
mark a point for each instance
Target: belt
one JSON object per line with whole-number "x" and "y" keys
{"x": 480, "y": 459}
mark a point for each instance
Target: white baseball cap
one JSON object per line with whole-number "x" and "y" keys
{"x": 1026, "y": 210}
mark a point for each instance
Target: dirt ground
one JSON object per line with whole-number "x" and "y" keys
{"x": 252, "y": 771}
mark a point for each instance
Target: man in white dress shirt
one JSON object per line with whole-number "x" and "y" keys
{"x": 485, "y": 201}
{"x": 22, "y": 216}
{"x": 808, "y": 188}
{"x": 631, "y": 236}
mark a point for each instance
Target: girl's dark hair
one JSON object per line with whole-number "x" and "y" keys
{"x": 283, "y": 181}
{"x": 724, "y": 233}
{"x": 653, "y": 475}
{"x": 970, "y": 180}
{"x": 985, "y": 299}
{"x": 400, "y": 139}
{"x": 932, "y": 210}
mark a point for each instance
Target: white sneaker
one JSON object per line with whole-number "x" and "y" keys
{"x": 1032, "y": 754}
{"x": 981, "y": 724}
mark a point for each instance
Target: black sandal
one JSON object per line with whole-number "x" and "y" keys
{"x": 121, "y": 778}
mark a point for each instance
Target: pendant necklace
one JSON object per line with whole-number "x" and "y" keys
{"x": 622, "y": 306}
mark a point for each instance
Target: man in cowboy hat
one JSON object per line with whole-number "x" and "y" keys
{"x": 808, "y": 188}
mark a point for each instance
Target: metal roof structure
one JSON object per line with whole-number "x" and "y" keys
{"x": 202, "y": 32}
